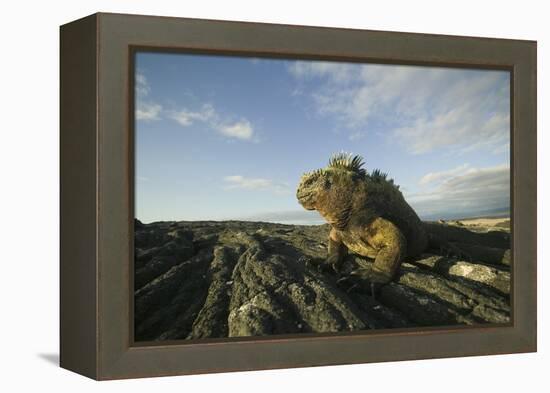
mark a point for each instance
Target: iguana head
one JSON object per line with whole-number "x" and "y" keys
{"x": 312, "y": 184}
{"x": 322, "y": 189}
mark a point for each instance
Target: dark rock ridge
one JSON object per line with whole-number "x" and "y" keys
{"x": 197, "y": 280}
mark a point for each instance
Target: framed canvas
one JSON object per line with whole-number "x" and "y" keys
{"x": 243, "y": 196}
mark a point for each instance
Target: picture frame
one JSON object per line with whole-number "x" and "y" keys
{"x": 97, "y": 185}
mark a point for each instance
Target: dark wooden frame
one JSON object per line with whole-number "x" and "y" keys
{"x": 97, "y": 195}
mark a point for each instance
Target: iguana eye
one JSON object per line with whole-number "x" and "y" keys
{"x": 327, "y": 183}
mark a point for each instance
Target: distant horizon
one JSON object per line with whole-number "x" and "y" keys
{"x": 498, "y": 213}
{"x": 227, "y": 138}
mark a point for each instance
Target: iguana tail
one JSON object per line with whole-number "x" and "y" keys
{"x": 492, "y": 247}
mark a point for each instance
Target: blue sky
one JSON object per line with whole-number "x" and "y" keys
{"x": 222, "y": 137}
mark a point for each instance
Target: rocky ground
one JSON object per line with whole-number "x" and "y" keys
{"x": 227, "y": 279}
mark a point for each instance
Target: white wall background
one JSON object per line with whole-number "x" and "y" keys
{"x": 29, "y": 193}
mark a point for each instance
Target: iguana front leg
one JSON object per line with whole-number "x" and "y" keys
{"x": 391, "y": 246}
{"x": 336, "y": 250}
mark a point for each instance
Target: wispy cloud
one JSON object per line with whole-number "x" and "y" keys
{"x": 463, "y": 189}
{"x": 227, "y": 126}
{"x": 186, "y": 117}
{"x": 241, "y": 129}
{"x": 148, "y": 111}
{"x": 424, "y": 107}
{"x": 433, "y": 177}
{"x": 335, "y": 72}
{"x": 258, "y": 183}
{"x": 142, "y": 85}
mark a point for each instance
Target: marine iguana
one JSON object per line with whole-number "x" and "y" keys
{"x": 369, "y": 216}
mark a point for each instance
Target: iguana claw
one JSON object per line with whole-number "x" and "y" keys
{"x": 373, "y": 279}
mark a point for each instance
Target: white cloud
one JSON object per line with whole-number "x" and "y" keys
{"x": 424, "y": 107}
{"x": 148, "y": 111}
{"x": 142, "y": 85}
{"x": 186, "y": 118}
{"x": 250, "y": 183}
{"x": 240, "y": 130}
{"x": 463, "y": 189}
{"x": 458, "y": 125}
{"x": 208, "y": 115}
{"x": 238, "y": 181}
{"x": 437, "y": 176}
{"x": 336, "y": 72}
{"x": 145, "y": 110}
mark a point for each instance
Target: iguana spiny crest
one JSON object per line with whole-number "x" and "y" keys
{"x": 330, "y": 190}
